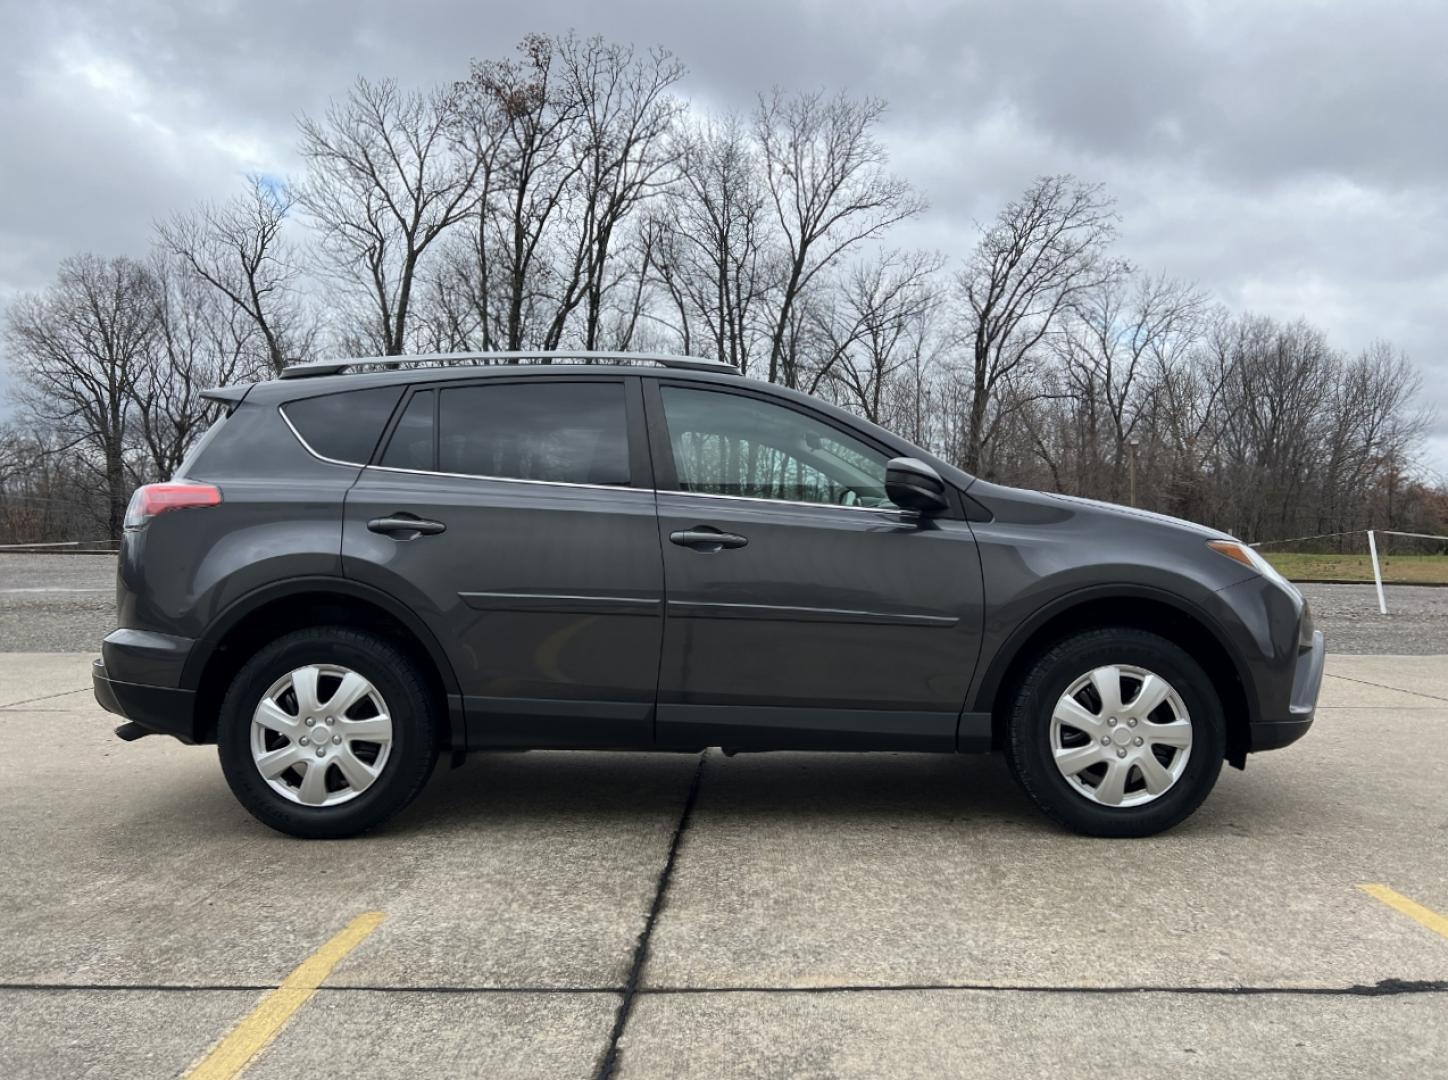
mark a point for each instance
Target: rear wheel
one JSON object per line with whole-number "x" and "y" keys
{"x": 1116, "y": 732}
{"x": 327, "y": 732}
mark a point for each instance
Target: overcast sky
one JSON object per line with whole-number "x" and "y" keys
{"x": 1289, "y": 157}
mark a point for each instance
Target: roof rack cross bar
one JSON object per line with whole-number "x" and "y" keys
{"x": 334, "y": 367}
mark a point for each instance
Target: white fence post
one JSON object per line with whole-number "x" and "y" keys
{"x": 1377, "y": 573}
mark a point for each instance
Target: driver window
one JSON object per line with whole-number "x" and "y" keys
{"x": 732, "y": 444}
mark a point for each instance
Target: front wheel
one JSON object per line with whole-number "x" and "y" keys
{"x": 1116, "y": 732}
{"x": 327, "y": 732}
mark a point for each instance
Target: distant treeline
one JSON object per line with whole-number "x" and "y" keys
{"x": 568, "y": 197}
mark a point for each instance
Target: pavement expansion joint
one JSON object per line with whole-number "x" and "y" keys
{"x": 609, "y": 1062}
{"x": 1382, "y": 988}
{"x": 43, "y": 697}
{"x": 1385, "y": 686}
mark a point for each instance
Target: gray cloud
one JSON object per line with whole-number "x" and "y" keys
{"x": 1290, "y": 158}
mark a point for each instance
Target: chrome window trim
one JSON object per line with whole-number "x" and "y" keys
{"x": 888, "y": 511}
{"x": 893, "y": 511}
{"x": 511, "y": 479}
{"x": 282, "y": 411}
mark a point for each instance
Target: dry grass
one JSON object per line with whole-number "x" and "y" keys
{"x": 1403, "y": 569}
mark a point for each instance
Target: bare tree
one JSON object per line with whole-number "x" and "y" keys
{"x": 47, "y": 489}
{"x": 1043, "y": 252}
{"x": 624, "y": 114}
{"x": 1114, "y": 338}
{"x": 1373, "y": 423}
{"x": 451, "y": 310}
{"x": 78, "y": 349}
{"x": 384, "y": 183}
{"x": 879, "y": 322}
{"x": 528, "y": 114}
{"x": 459, "y": 307}
{"x": 200, "y": 341}
{"x": 1270, "y": 420}
{"x": 621, "y": 324}
{"x": 830, "y": 190}
{"x": 712, "y": 252}
{"x": 238, "y": 249}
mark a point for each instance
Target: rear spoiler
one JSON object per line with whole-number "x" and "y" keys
{"x": 230, "y": 396}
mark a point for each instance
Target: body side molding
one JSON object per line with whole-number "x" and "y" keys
{"x": 696, "y": 609}
{"x": 561, "y": 603}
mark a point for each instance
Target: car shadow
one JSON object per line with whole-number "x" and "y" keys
{"x": 550, "y": 789}
{"x": 544, "y": 786}
{"x": 974, "y": 790}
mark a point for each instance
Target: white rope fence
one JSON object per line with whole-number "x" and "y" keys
{"x": 1372, "y": 551}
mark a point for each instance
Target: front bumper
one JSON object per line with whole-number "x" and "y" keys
{"x": 1275, "y": 732}
{"x": 138, "y": 677}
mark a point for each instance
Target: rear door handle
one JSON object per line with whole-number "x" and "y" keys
{"x": 704, "y": 538}
{"x": 405, "y": 523}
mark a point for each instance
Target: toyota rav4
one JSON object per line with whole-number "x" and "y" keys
{"x": 366, "y": 564}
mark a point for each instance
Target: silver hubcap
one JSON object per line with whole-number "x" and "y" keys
{"x": 321, "y": 735}
{"x": 1121, "y": 735}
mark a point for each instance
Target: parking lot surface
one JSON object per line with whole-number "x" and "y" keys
{"x": 634, "y": 915}
{"x": 572, "y": 914}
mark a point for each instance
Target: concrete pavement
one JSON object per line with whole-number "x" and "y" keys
{"x": 822, "y": 915}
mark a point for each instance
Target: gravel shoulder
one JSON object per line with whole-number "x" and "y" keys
{"x": 56, "y": 603}
{"x": 1416, "y": 623}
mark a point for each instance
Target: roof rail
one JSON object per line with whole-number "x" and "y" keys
{"x": 334, "y": 367}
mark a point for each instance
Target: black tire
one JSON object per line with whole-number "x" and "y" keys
{"x": 1028, "y": 748}
{"x": 411, "y": 757}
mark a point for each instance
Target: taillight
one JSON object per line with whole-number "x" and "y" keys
{"x": 153, "y": 499}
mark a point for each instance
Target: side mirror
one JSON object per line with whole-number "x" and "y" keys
{"x": 913, "y": 485}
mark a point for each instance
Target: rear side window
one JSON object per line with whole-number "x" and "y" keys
{"x": 564, "y": 432}
{"x": 411, "y": 445}
{"x": 345, "y": 426}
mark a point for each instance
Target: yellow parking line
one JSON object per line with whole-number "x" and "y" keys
{"x": 251, "y": 1036}
{"x": 1411, "y": 908}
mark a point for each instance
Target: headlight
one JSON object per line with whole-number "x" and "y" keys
{"x": 1247, "y": 556}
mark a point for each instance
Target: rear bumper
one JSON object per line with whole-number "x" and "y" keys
{"x": 1277, "y": 731}
{"x": 138, "y": 677}
{"x": 161, "y": 709}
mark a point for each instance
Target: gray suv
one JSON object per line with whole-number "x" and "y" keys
{"x": 369, "y": 563}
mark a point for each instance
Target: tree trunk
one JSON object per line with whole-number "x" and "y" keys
{"x": 116, "y": 491}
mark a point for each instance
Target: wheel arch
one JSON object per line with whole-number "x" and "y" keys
{"x": 1142, "y": 607}
{"x": 267, "y": 613}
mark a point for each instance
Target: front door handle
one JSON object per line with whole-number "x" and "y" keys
{"x": 705, "y": 538}
{"x": 399, "y": 524}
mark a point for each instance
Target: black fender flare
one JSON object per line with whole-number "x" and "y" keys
{"x": 232, "y": 615}
{"x": 989, "y": 680}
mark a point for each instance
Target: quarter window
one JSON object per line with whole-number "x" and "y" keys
{"x": 564, "y": 432}
{"x": 734, "y": 444}
{"x": 344, "y": 426}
